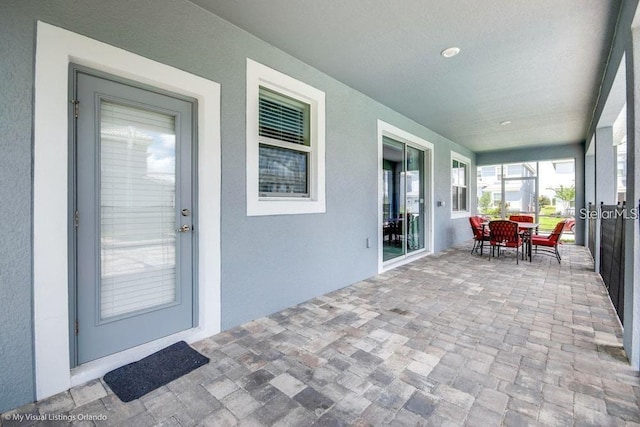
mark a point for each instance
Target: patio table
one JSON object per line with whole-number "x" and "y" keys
{"x": 526, "y": 236}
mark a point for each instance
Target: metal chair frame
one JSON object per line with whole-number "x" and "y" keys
{"x": 549, "y": 244}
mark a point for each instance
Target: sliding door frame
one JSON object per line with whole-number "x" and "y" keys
{"x": 397, "y": 134}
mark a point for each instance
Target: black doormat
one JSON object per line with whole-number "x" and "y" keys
{"x": 136, "y": 379}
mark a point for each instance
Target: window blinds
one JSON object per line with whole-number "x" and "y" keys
{"x": 283, "y": 118}
{"x": 137, "y": 210}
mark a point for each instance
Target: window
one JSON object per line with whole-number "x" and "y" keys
{"x": 459, "y": 185}
{"x": 285, "y": 144}
{"x": 514, "y": 170}
{"x": 488, "y": 172}
{"x": 520, "y": 170}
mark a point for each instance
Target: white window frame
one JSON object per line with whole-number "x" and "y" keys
{"x": 55, "y": 49}
{"x": 463, "y": 159}
{"x": 259, "y": 75}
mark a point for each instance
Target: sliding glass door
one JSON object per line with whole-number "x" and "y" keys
{"x": 403, "y": 209}
{"x": 414, "y": 200}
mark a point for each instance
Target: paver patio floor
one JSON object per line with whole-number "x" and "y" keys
{"x": 450, "y": 339}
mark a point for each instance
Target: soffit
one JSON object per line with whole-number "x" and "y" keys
{"x": 537, "y": 64}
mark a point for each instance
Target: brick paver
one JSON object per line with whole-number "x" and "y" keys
{"x": 450, "y": 339}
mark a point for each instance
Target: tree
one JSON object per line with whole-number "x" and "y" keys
{"x": 485, "y": 201}
{"x": 567, "y": 194}
{"x": 543, "y": 201}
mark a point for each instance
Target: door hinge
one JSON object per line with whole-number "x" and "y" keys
{"x": 76, "y": 219}
{"x": 75, "y": 103}
{"x": 76, "y": 328}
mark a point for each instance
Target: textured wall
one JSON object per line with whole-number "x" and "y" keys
{"x": 631, "y": 332}
{"x": 16, "y": 349}
{"x": 268, "y": 263}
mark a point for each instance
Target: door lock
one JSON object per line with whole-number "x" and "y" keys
{"x": 184, "y": 229}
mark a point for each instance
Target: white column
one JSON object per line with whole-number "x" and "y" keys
{"x": 605, "y": 167}
{"x": 590, "y": 196}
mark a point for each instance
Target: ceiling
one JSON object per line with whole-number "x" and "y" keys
{"x": 537, "y": 64}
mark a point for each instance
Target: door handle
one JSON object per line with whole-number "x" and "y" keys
{"x": 184, "y": 229}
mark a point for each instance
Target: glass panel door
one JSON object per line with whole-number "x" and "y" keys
{"x": 489, "y": 191}
{"x": 519, "y": 189}
{"x": 403, "y": 209}
{"x": 137, "y": 210}
{"x": 520, "y": 197}
{"x": 414, "y": 199}
{"x": 134, "y": 209}
{"x": 393, "y": 167}
{"x": 557, "y": 196}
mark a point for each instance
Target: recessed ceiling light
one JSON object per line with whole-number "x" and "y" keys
{"x": 505, "y": 123}
{"x": 450, "y": 52}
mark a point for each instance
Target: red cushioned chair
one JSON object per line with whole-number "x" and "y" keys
{"x": 504, "y": 234}
{"x": 478, "y": 236}
{"x": 522, "y": 218}
{"x": 549, "y": 244}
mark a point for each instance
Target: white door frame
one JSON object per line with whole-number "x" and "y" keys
{"x": 55, "y": 49}
{"x": 387, "y": 130}
{"x": 503, "y": 190}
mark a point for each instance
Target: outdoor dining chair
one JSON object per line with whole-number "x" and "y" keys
{"x": 504, "y": 234}
{"x": 522, "y": 218}
{"x": 549, "y": 244}
{"x": 480, "y": 233}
